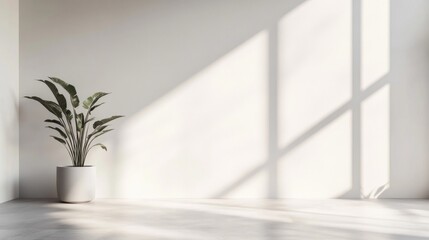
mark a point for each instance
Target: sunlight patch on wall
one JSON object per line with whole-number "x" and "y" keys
{"x": 321, "y": 167}
{"x": 376, "y": 143}
{"x": 375, "y": 32}
{"x": 200, "y": 137}
{"x": 246, "y": 189}
{"x": 314, "y": 65}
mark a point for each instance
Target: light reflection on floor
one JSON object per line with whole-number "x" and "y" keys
{"x": 215, "y": 219}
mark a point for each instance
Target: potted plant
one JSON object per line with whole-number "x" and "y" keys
{"x": 76, "y": 132}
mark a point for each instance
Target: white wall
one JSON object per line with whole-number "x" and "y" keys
{"x": 9, "y": 82}
{"x": 303, "y": 98}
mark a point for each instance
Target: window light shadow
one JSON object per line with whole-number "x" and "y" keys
{"x": 263, "y": 110}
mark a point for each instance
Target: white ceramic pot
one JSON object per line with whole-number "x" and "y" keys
{"x": 76, "y": 184}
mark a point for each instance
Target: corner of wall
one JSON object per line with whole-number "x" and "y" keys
{"x": 9, "y": 100}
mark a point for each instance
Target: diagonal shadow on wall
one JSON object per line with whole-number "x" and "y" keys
{"x": 353, "y": 105}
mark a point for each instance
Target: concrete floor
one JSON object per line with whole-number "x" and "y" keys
{"x": 215, "y": 219}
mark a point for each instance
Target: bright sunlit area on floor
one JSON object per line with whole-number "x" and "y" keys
{"x": 248, "y": 119}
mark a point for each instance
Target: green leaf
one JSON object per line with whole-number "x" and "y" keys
{"x": 94, "y": 107}
{"x": 90, "y": 101}
{"x": 60, "y": 124}
{"x": 97, "y": 130}
{"x": 59, "y": 140}
{"x": 60, "y": 98}
{"x": 104, "y": 121}
{"x": 69, "y": 115}
{"x": 101, "y": 128}
{"x": 101, "y": 145}
{"x": 89, "y": 120}
{"x": 74, "y": 99}
{"x": 102, "y": 133}
{"x": 80, "y": 121}
{"x": 50, "y": 106}
{"x": 59, "y": 131}
{"x": 54, "y": 121}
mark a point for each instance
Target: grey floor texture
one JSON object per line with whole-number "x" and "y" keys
{"x": 215, "y": 219}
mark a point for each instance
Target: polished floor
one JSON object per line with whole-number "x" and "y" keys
{"x": 215, "y": 219}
